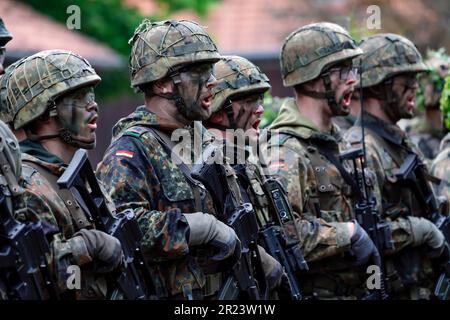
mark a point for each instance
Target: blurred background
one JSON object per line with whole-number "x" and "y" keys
{"x": 254, "y": 29}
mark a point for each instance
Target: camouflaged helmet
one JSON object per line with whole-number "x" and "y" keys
{"x": 6, "y": 112}
{"x": 10, "y": 162}
{"x": 159, "y": 47}
{"x": 41, "y": 78}
{"x": 386, "y": 55}
{"x": 5, "y": 36}
{"x": 236, "y": 75}
{"x": 310, "y": 49}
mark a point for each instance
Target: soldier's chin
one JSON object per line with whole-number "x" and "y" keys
{"x": 84, "y": 143}
{"x": 342, "y": 110}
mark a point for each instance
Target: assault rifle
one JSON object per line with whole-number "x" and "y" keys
{"x": 134, "y": 280}
{"x": 247, "y": 275}
{"x": 369, "y": 218}
{"x": 278, "y": 244}
{"x": 365, "y": 208}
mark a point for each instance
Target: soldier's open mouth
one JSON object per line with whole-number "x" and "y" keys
{"x": 255, "y": 124}
{"x": 347, "y": 99}
{"x": 92, "y": 124}
{"x": 206, "y": 102}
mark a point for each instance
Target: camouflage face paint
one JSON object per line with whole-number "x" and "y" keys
{"x": 77, "y": 116}
{"x": 193, "y": 90}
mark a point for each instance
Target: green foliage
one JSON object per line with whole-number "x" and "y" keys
{"x": 271, "y": 107}
{"x": 445, "y": 102}
{"x": 109, "y": 21}
{"x": 432, "y": 77}
{"x": 199, "y": 6}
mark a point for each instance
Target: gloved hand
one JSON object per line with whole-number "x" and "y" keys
{"x": 205, "y": 229}
{"x": 362, "y": 247}
{"x": 271, "y": 267}
{"x": 426, "y": 233}
{"x": 98, "y": 247}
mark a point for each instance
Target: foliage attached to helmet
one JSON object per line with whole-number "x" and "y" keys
{"x": 431, "y": 84}
{"x": 236, "y": 76}
{"x": 160, "y": 48}
{"x": 38, "y": 80}
{"x": 445, "y": 102}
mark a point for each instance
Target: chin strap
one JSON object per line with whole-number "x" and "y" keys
{"x": 329, "y": 95}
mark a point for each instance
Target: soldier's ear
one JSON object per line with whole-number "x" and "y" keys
{"x": 164, "y": 85}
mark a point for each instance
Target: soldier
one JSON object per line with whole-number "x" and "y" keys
{"x": 390, "y": 64}
{"x": 171, "y": 62}
{"x": 317, "y": 61}
{"x": 426, "y": 130}
{"x": 52, "y": 96}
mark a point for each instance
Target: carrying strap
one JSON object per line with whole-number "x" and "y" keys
{"x": 74, "y": 208}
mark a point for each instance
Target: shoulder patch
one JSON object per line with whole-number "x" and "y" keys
{"x": 136, "y": 131}
{"x": 125, "y": 153}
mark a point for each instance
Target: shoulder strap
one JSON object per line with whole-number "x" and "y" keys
{"x": 164, "y": 140}
{"x": 76, "y": 212}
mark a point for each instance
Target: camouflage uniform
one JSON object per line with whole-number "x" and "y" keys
{"x": 386, "y": 148}
{"x": 426, "y": 137}
{"x": 142, "y": 176}
{"x": 61, "y": 216}
{"x": 139, "y": 170}
{"x": 51, "y": 74}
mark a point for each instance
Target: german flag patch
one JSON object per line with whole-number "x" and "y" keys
{"x": 125, "y": 153}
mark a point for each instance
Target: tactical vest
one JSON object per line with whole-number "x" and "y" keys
{"x": 328, "y": 194}
{"x": 188, "y": 189}
{"x": 71, "y": 220}
{"x": 79, "y": 220}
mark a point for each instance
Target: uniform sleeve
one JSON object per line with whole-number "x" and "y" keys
{"x": 131, "y": 181}
{"x": 320, "y": 240}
